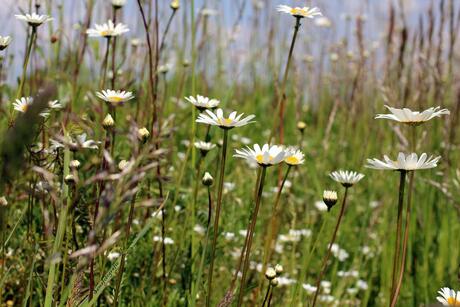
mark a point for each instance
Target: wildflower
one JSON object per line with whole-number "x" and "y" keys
{"x": 108, "y": 122}
{"x": 107, "y": 30}
{"x": 409, "y": 117}
{"x": 4, "y": 42}
{"x": 274, "y": 282}
{"x": 300, "y": 12}
{"x": 167, "y": 240}
{"x": 74, "y": 164}
{"x": 449, "y": 297}
{"x": 23, "y": 104}
{"x": 301, "y": 126}
{"x": 346, "y": 178}
{"x": 207, "y": 179}
{"x": 339, "y": 253}
{"x": 279, "y": 269}
{"x": 208, "y": 12}
{"x": 362, "y": 285}
{"x": 218, "y": 119}
{"x": 174, "y": 4}
{"x": 3, "y": 201}
{"x": 34, "y": 20}
{"x": 321, "y": 206}
{"x": 118, "y": 4}
{"x": 69, "y": 179}
{"x": 115, "y": 98}
{"x": 404, "y": 163}
{"x": 268, "y": 155}
{"x": 112, "y": 256}
{"x": 54, "y": 104}
{"x": 330, "y": 199}
{"x": 270, "y": 273}
{"x": 323, "y": 22}
{"x": 309, "y": 288}
{"x": 204, "y": 147}
{"x": 202, "y": 103}
{"x": 294, "y": 157}
{"x": 143, "y": 134}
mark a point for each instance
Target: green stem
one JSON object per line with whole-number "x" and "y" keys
{"x": 26, "y": 62}
{"x": 328, "y": 254}
{"x": 60, "y": 231}
{"x": 217, "y": 216}
{"x": 251, "y": 235}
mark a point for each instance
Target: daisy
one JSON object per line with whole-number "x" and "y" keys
{"x": 204, "y": 146}
{"x": 346, "y": 178}
{"x": 115, "y": 97}
{"x": 54, "y": 104}
{"x": 268, "y": 155}
{"x": 294, "y": 157}
{"x": 300, "y": 12}
{"x": 449, "y": 297}
{"x": 107, "y": 30}
{"x": 23, "y": 104}
{"x": 34, "y": 20}
{"x": 218, "y": 119}
{"x": 4, "y": 42}
{"x": 407, "y": 116}
{"x": 202, "y": 103}
{"x": 407, "y": 163}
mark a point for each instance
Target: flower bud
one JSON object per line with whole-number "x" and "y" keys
{"x": 274, "y": 282}
{"x": 69, "y": 179}
{"x": 108, "y": 122}
{"x": 143, "y": 134}
{"x": 74, "y": 164}
{"x": 270, "y": 273}
{"x": 279, "y": 269}
{"x": 207, "y": 179}
{"x": 330, "y": 199}
{"x": 174, "y": 4}
{"x": 118, "y": 4}
{"x": 301, "y": 126}
{"x": 122, "y": 164}
{"x": 3, "y": 201}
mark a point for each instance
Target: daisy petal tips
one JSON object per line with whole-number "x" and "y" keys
{"x": 410, "y": 162}
{"x": 218, "y": 119}
{"x": 202, "y": 103}
{"x": 299, "y": 12}
{"x": 407, "y": 116}
{"x": 34, "y": 20}
{"x": 346, "y": 178}
{"x": 268, "y": 155}
{"x": 448, "y": 297}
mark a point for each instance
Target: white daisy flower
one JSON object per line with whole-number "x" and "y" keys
{"x": 4, "y": 42}
{"x": 323, "y": 22}
{"x": 23, "y": 104}
{"x": 300, "y": 12}
{"x": 218, "y": 119}
{"x": 346, "y": 178}
{"x": 266, "y": 156}
{"x": 202, "y": 103}
{"x": 55, "y": 104}
{"x": 309, "y": 288}
{"x": 410, "y": 162}
{"x": 449, "y": 297}
{"x": 34, "y": 20}
{"x": 115, "y": 97}
{"x": 410, "y": 117}
{"x": 107, "y": 30}
{"x": 84, "y": 143}
{"x": 204, "y": 146}
{"x": 294, "y": 157}
{"x": 118, "y": 4}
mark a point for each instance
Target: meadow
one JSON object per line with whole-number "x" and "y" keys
{"x": 229, "y": 153}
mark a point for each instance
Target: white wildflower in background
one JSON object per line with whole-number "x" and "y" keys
{"x": 299, "y": 12}
{"x": 204, "y": 146}
{"x": 404, "y": 163}
{"x": 107, "y": 30}
{"x": 268, "y": 155}
{"x": 168, "y": 241}
{"x": 218, "y": 119}
{"x": 34, "y": 20}
{"x": 294, "y": 157}
{"x": 118, "y": 4}
{"x": 55, "y": 104}
{"x": 23, "y": 104}
{"x": 115, "y": 98}
{"x": 449, "y": 297}
{"x": 362, "y": 285}
{"x": 309, "y": 288}
{"x": 323, "y": 22}
{"x": 320, "y": 205}
{"x": 339, "y": 253}
{"x": 112, "y": 256}
{"x": 202, "y": 103}
{"x": 4, "y": 42}
{"x": 410, "y": 117}
{"x": 346, "y": 178}
{"x": 352, "y": 273}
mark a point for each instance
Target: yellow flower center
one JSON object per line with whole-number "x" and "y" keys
{"x": 452, "y": 301}
{"x": 115, "y": 99}
{"x": 260, "y": 158}
{"x": 225, "y": 121}
{"x": 292, "y": 160}
{"x": 105, "y": 33}
{"x": 296, "y": 11}
{"x": 24, "y": 107}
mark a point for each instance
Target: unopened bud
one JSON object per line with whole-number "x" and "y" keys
{"x": 122, "y": 164}
{"x": 174, "y": 4}
{"x": 274, "y": 282}
{"x": 207, "y": 179}
{"x": 301, "y": 126}
{"x": 270, "y": 273}
{"x": 3, "y": 201}
{"x": 74, "y": 164}
{"x": 143, "y": 134}
{"x": 69, "y": 179}
{"x": 108, "y": 122}
{"x": 330, "y": 199}
{"x": 279, "y": 269}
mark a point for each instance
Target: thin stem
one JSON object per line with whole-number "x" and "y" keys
{"x": 394, "y": 300}
{"x": 216, "y": 218}
{"x": 398, "y": 230}
{"x": 251, "y": 235}
{"x": 104, "y": 65}
{"x": 26, "y": 62}
{"x": 266, "y": 295}
{"x": 328, "y": 254}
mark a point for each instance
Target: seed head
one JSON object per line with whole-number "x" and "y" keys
{"x": 330, "y": 199}
{"x": 207, "y": 179}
